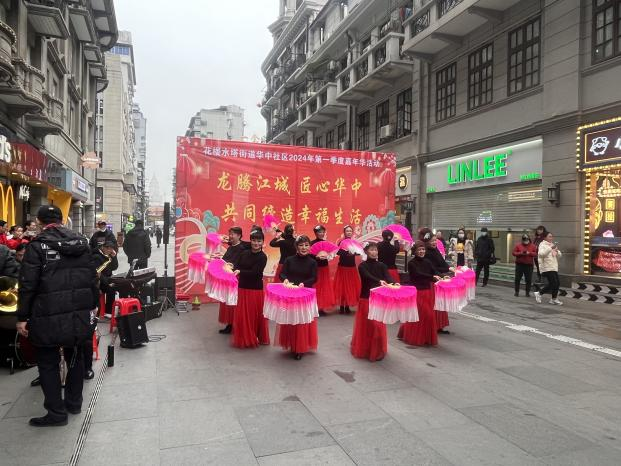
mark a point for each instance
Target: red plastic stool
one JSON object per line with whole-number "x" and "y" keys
{"x": 124, "y": 306}
{"x": 102, "y": 305}
{"x": 95, "y": 346}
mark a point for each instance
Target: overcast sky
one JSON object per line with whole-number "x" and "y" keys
{"x": 193, "y": 54}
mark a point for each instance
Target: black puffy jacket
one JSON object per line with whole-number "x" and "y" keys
{"x": 100, "y": 237}
{"x": 58, "y": 288}
{"x": 8, "y": 265}
{"x": 137, "y": 244}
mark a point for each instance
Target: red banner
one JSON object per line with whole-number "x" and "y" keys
{"x": 221, "y": 184}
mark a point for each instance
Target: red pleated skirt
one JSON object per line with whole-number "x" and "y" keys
{"x": 369, "y": 340}
{"x": 394, "y": 273}
{"x": 297, "y": 338}
{"x": 325, "y": 291}
{"x": 225, "y": 316}
{"x": 347, "y": 286}
{"x": 425, "y": 331}
{"x": 277, "y": 274}
{"x": 442, "y": 319}
{"x": 250, "y": 328}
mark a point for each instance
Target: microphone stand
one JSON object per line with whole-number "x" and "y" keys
{"x": 166, "y": 302}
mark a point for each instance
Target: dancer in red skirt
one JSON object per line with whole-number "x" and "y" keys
{"x": 347, "y": 280}
{"x": 325, "y": 290}
{"x": 300, "y": 270}
{"x": 235, "y": 247}
{"x": 442, "y": 268}
{"x": 388, "y": 254}
{"x": 286, "y": 243}
{"x": 369, "y": 339}
{"x": 422, "y": 276}
{"x": 250, "y": 328}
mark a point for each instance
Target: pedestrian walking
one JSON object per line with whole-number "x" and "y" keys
{"x": 461, "y": 250}
{"x": 325, "y": 290}
{"x": 250, "y": 327}
{"x": 284, "y": 241}
{"x": 549, "y": 254}
{"x": 525, "y": 253}
{"x": 347, "y": 279}
{"x": 485, "y": 255}
{"x": 58, "y": 295}
{"x": 235, "y": 247}
{"x": 422, "y": 276}
{"x": 540, "y": 234}
{"x": 137, "y": 245}
{"x": 388, "y": 249}
{"x": 158, "y": 235}
{"x": 369, "y": 339}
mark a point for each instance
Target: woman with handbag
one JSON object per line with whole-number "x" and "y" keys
{"x": 485, "y": 255}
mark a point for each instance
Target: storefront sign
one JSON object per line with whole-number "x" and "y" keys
{"x": 509, "y": 164}
{"x": 78, "y": 186}
{"x": 90, "y": 160}
{"x": 7, "y": 204}
{"x": 5, "y": 149}
{"x": 24, "y": 192}
{"x": 403, "y": 181}
{"x": 29, "y": 160}
{"x": 601, "y": 146}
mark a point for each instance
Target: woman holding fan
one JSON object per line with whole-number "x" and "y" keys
{"x": 347, "y": 280}
{"x": 235, "y": 247}
{"x": 325, "y": 290}
{"x": 388, "y": 250}
{"x": 286, "y": 243}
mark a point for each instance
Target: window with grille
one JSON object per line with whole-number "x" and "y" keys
{"x": 404, "y": 113}
{"x": 341, "y": 134}
{"x": 381, "y": 119}
{"x": 364, "y": 124}
{"x": 480, "y": 77}
{"x": 525, "y": 56}
{"x": 318, "y": 141}
{"x": 446, "y": 92}
{"x": 330, "y": 139}
{"x": 606, "y": 29}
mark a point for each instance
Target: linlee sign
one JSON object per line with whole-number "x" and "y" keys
{"x": 519, "y": 162}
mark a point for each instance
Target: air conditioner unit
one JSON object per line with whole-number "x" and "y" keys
{"x": 386, "y": 131}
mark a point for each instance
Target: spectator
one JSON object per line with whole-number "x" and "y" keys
{"x": 485, "y": 255}
{"x": 549, "y": 255}
{"x": 137, "y": 245}
{"x": 101, "y": 236}
{"x": 158, "y": 235}
{"x": 524, "y": 253}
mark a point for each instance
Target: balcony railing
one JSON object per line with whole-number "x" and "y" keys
{"x": 379, "y": 55}
{"x": 444, "y": 6}
{"x": 345, "y": 81}
{"x": 7, "y": 40}
{"x": 362, "y": 69}
{"x": 420, "y": 23}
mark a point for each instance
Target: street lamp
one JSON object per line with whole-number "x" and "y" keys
{"x": 554, "y": 194}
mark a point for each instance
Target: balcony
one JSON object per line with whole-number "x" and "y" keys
{"x": 380, "y": 66}
{"x": 437, "y": 24}
{"x": 7, "y": 40}
{"x": 287, "y": 76}
{"x": 25, "y": 93}
{"x": 320, "y": 107}
{"x": 50, "y": 120}
{"x": 282, "y": 127}
{"x": 47, "y": 20}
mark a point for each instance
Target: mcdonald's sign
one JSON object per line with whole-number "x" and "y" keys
{"x": 7, "y": 204}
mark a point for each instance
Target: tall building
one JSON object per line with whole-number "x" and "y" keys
{"x": 503, "y": 113}
{"x": 117, "y": 175}
{"x": 224, "y": 122}
{"x": 51, "y": 68}
{"x": 140, "y": 148}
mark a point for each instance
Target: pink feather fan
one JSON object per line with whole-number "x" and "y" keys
{"x": 197, "y": 266}
{"x": 451, "y": 295}
{"x": 353, "y": 246}
{"x": 401, "y": 234}
{"x": 271, "y": 222}
{"x": 222, "y": 282}
{"x": 393, "y": 303}
{"x": 290, "y": 304}
{"x": 324, "y": 248}
{"x": 213, "y": 243}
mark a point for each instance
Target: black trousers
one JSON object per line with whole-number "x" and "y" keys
{"x": 110, "y": 294}
{"x": 48, "y": 360}
{"x": 553, "y": 285}
{"x": 525, "y": 270}
{"x": 484, "y": 266}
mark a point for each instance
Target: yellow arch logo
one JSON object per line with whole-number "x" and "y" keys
{"x": 7, "y": 205}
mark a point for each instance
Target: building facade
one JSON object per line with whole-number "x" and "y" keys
{"x": 117, "y": 174}
{"x": 225, "y": 122}
{"x": 140, "y": 148}
{"x": 51, "y": 68}
{"x": 493, "y": 107}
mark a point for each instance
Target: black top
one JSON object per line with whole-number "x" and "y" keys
{"x": 421, "y": 273}
{"x": 137, "y": 244}
{"x": 99, "y": 258}
{"x": 251, "y": 265}
{"x": 233, "y": 252}
{"x": 484, "y": 249}
{"x": 286, "y": 246}
{"x": 346, "y": 259}
{"x": 435, "y": 257}
{"x": 371, "y": 273}
{"x": 388, "y": 253}
{"x": 320, "y": 262}
{"x": 100, "y": 237}
{"x": 300, "y": 269}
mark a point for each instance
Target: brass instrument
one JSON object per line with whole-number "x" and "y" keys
{"x": 8, "y": 294}
{"x": 102, "y": 267}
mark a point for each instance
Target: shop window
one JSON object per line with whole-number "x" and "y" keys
{"x": 446, "y": 91}
{"x": 524, "y": 56}
{"x": 480, "y": 77}
{"x": 606, "y": 30}
{"x": 605, "y": 221}
{"x": 341, "y": 134}
{"x": 381, "y": 119}
{"x": 330, "y": 139}
{"x": 364, "y": 126}
{"x": 404, "y": 113}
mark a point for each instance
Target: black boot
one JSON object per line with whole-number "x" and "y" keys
{"x": 347, "y": 310}
{"x": 35, "y": 383}
{"x": 322, "y": 313}
{"x": 226, "y": 330}
{"x": 342, "y": 310}
{"x": 297, "y": 356}
{"x": 48, "y": 421}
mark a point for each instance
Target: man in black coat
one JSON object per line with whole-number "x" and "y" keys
{"x": 8, "y": 266}
{"x": 484, "y": 254}
{"x": 137, "y": 245}
{"x": 158, "y": 235}
{"x": 101, "y": 236}
{"x": 58, "y": 297}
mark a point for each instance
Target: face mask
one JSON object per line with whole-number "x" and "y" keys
{"x": 525, "y": 241}
{"x": 103, "y": 230}
{"x": 484, "y": 233}
{"x": 460, "y": 236}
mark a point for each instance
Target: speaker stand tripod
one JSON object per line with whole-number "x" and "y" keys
{"x": 166, "y": 301}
